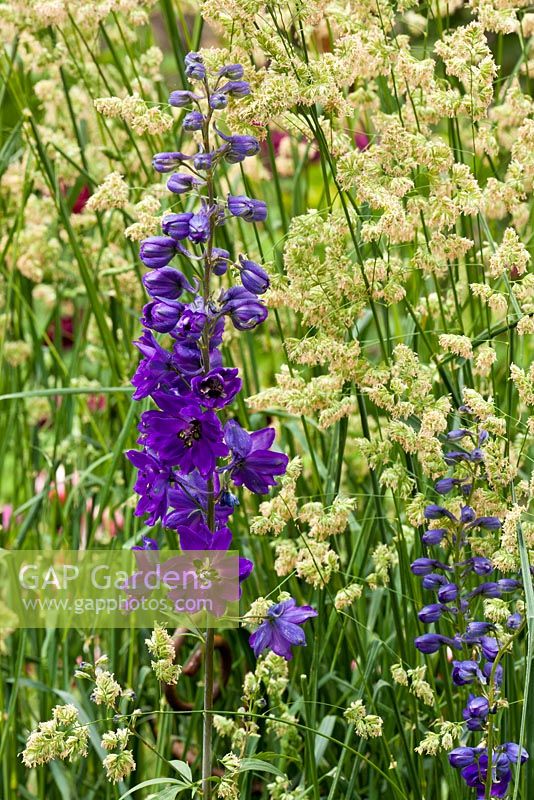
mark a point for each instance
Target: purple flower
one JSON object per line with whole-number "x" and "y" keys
{"x": 281, "y": 629}
{"x": 237, "y": 149}
{"x": 177, "y": 225}
{"x": 147, "y": 544}
{"x": 446, "y": 485}
{"x": 433, "y": 511}
{"x": 490, "y": 647}
{"x": 253, "y": 277}
{"x": 199, "y": 226}
{"x": 182, "y": 434}
{"x": 217, "y": 388}
{"x": 152, "y": 484}
{"x": 433, "y": 581}
{"x": 248, "y": 209}
{"x": 218, "y": 100}
{"x": 194, "y": 121}
{"x": 514, "y": 621}
{"x": 467, "y": 514}
{"x": 455, "y": 456}
{"x": 157, "y": 370}
{"x": 462, "y": 756}
{"x": 190, "y": 324}
{"x": 166, "y": 283}
{"x": 464, "y": 672}
{"x": 243, "y": 308}
{"x": 431, "y": 642}
{"x": 433, "y": 536}
{"x": 232, "y": 71}
{"x": 181, "y": 182}
{"x": 253, "y": 464}
{"x": 431, "y": 613}
{"x": 194, "y": 67}
{"x": 456, "y": 435}
{"x": 166, "y": 162}
{"x": 424, "y": 566}
{"x": 488, "y": 523}
{"x": 157, "y": 251}
{"x": 514, "y": 753}
{"x": 447, "y": 592}
{"x": 238, "y": 89}
{"x": 188, "y": 499}
{"x": 205, "y": 161}
{"x": 162, "y": 316}
{"x": 219, "y": 260}
{"x": 202, "y": 538}
{"x": 181, "y": 98}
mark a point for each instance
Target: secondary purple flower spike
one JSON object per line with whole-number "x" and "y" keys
{"x": 281, "y": 629}
{"x": 253, "y": 464}
{"x": 457, "y": 602}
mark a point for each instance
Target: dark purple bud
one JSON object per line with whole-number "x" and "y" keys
{"x": 475, "y": 630}
{"x": 166, "y": 283}
{"x": 166, "y": 162}
{"x": 488, "y": 523}
{"x": 194, "y": 121}
{"x": 489, "y": 589}
{"x": 447, "y": 593}
{"x": 467, "y": 514}
{"x": 232, "y": 71}
{"x": 190, "y": 325}
{"x": 481, "y": 565}
{"x": 466, "y": 489}
{"x": 457, "y": 434}
{"x": 177, "y": 225}
{"x": 194, "y": 66}
{"x": 487, "y": 669}
{"x": 182, "y": 182}
{"x": 462, "y": 757}
{"x": 514, "y": 621}
{"x": 490, "y": 647}
{"x": 219, "y": 260}
{"x": 247, "y": 208}
{"x": 204, "y": 161}
{"x": 157, "y": 251}
{"x": 180, "y": 98}
{"x": 464, "y": 672}
{"x": 508, "y": 584}
{"x": 476, "y": 455}
{"x": 446, "y": 485}
{"x": 218, "y": 100}
{"x": 433, "y": 581}
{"x": 253, "y": 277}
{"x": 474, "y": 723}
{"x": 236, "y": 88}
{"x": 433, "y": 511}
{"x": 161, "y": 317}
{"x": 243, "y": 307}
{"x": 515, "y": 753}
{"x": 431, "y": 613}
{"x": 423, "y": 566}
{"x": 433, "y": 536}
{"x": 228, "y": 499}
{"x": 483, "y": 436}
{"x": 431, "y": 642}
{"x": 199, "y": 226}
{"x": 476, "y": 707}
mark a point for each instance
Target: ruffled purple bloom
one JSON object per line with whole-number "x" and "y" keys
{"x": 182, "y": 434}
{"x": 188, "y": 498}
{"x": 159, "y": 369}
{"x": 253, "y": 464}
{"x": 281, "y": 629}
{"x": 217, "y": 388}
{"x": 152, "y": 484}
